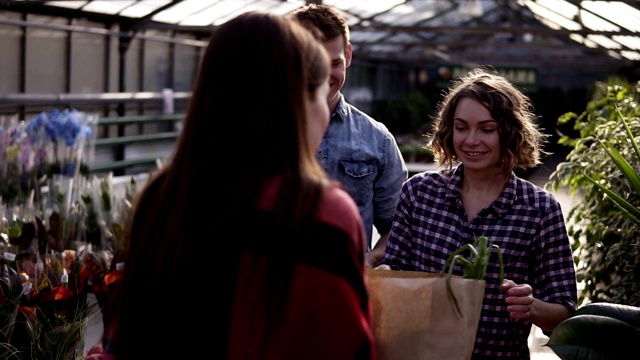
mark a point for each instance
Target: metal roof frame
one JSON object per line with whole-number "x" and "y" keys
{"x": 467, "y": 32}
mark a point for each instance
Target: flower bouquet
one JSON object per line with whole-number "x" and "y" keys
{"x": 53, "y": 309}
{"x": 11, "y": 291}
{"x": 49, "y": 302}
{"x": 33, "y": 152}
{"x": 60, "y": 228}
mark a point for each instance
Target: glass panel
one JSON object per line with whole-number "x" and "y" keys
{"x": 132, "y": 67}
{"x": 631, "y": 55}
{"x": 604, "y": 41}
{"x": 46, "y": 57}
{"x": 67, "y": 4}
{"x": 156, "y": 63}
{"x": 550, "y": 17}
{"x": 617, "y": 12}
{"x": 108, "y": 6}
{"x": 143, "y": 8}
{"x": 212, "y": 14}
{"x": 187, "y": 59}
{"x": 87, "y": 61}
{"x": 182, "y": 10}
{"x": 596, "y": 23}
{"x": 632, "y": 42}
{"x": 114, "y": 64}
{"x": 10, "y": 55}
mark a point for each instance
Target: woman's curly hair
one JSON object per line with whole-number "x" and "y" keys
{"x": 521, "y": 141}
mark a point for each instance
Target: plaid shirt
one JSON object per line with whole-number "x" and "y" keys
{"x": 525, "y": 221}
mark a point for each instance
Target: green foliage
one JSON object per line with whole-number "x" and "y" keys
{"x": 415, "y": 152}
{"x": 598, "y": 331}
{"x": 14, "y": 229}
{"x": 602, "y": 167}
{"x": 474, "y": 266}
{"x": 10, "y": 295}
{"x": 410, "y": 113}
{"x": 54, "y": 337}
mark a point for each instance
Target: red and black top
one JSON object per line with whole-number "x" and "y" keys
{"x": 328, "y": 315}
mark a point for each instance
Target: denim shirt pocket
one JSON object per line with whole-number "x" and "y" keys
{"x": 358, "y": 180}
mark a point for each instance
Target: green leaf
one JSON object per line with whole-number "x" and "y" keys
{"x": 628, "y": 130}
{"x": 590, "y": 337}
{"x": 631, "y": 211}
{"x": 626, "y": 313}
{"x": 475, "y": 266}
{"x": 627, "y": 170}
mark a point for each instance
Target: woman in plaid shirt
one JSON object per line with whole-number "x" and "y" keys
{"x": 484, "y": 131}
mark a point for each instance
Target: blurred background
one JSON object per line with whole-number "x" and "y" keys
{"x": 139, "y": 58}
{"x": 128, "y": 67}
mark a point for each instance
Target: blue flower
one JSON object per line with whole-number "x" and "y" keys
{"x": 35, "y": 128}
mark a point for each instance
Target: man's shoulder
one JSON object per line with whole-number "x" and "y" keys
{"x": 352, "y": 110}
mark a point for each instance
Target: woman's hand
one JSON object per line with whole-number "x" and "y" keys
{"x": 522, "y": 305}
{"x": 372, "y": 258}
{"x": 96, "y": 352}
{"x": 519, "y": 299}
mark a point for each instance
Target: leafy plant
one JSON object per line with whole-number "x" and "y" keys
{"x": 52, "y": 312}
{"x": 92, "y": 224}
{"x": 598, "y": 331}
{"x": 629, "y": 172}
{"x": 408, "y": 152}
{"x": 474, "y": 267}
{"x": 602, "y": 167}
{"x": 10, "y": 294}
{"x": 415, "y": 152}
{"x": 410, "y": 113}
{"x": 55, "y": 337}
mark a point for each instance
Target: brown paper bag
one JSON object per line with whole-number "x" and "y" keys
{"x": 415, "y": 318}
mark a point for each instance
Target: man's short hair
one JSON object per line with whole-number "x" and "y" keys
{"x": 325, "y": 19}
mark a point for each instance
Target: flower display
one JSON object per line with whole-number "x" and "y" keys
{"x": 43, "y": 292}
{"x": 50, "y": 143}
{"x": 53, "y": 308}
{"x": 60, "y": 227}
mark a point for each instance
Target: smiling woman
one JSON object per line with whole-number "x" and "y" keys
{"x": 485, "y": 129}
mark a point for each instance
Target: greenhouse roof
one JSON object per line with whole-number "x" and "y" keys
{"x": 519, "y": 33}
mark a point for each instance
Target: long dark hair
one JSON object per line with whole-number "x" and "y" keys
{"x": 245, "y": 125}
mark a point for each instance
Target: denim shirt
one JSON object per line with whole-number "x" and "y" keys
{"x": 363, "y": 156}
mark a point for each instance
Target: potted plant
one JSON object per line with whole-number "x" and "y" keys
{"x": 604, "y": 236}
{"x": 598, "y": 331}
{"x": 606, "y": 330}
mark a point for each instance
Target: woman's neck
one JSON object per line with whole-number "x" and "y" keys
{"x": 479, "y": 190}
{"x": 487, "y": 182}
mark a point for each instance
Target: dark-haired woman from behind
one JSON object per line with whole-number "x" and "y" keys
{"x": 222, "y": 260}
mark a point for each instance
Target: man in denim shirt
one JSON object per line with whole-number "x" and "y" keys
{"x": 356, "y": 150}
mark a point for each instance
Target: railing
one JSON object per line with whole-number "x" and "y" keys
{"x": 107, "y": 104}
{"x": 127, "y": 144}
{"x": 133, "y": 131}
{"x": 119, "y": 152}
